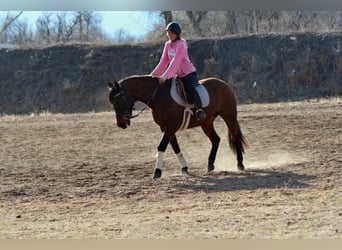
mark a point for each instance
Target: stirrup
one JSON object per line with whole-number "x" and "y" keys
{"x": 200, "y": 114}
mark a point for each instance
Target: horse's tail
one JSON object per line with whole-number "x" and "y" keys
{"x": 238, "y": 141}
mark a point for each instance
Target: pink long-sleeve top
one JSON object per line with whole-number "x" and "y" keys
{"x": 174, "y": 61}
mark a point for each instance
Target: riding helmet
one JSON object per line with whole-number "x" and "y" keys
{"x": 174, "y": 27}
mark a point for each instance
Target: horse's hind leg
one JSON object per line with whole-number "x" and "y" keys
{"x": 209, "y": 130}
{"x": 180, "y": 157}
{"x": 236, "y": 141}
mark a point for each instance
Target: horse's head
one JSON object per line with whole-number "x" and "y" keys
{"x": 122, "y": 103}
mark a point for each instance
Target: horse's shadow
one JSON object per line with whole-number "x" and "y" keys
{"x": 247, "y": 180}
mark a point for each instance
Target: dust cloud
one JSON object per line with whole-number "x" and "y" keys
{"x": 259, "y": 160}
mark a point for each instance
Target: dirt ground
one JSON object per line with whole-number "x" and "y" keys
{"x": 80, "y": 176}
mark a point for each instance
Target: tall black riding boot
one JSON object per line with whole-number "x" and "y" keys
{"x": 200, "y": 113}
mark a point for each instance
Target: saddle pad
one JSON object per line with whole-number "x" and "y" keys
{"x": 202, "y": 92}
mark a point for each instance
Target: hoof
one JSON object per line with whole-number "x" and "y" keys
{"x": 211, "y": 167}
{"x": 157, "y": 173}
{"x": 185, "y": 171}
{"x": 241, "y": 167}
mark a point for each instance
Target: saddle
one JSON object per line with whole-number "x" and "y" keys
{"x": 179, "y": 96}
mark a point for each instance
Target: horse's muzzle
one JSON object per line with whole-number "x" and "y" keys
{"x": 123, "y": 122}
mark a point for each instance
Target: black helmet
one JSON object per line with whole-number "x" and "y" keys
{"x": 174, "y": 27}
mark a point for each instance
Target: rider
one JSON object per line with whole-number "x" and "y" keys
{"x": 175, "y": 61}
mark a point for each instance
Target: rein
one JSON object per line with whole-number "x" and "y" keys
{"x": 149, "y": 101}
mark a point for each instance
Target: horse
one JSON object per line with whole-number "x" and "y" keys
{"x": 169, "y": 115}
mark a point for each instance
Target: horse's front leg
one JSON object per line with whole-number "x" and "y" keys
{"x": 160, "y": 155}
{"x": 180, "y": 157}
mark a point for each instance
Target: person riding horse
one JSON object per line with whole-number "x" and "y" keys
{"x": 175, "y": 61}
{"x": 151, "y": 90}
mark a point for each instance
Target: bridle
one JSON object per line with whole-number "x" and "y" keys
{"x": 121, "y": 97}
{"x": 120, "y": 104}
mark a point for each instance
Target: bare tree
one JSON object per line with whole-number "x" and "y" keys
{"x": 9, "y": 20}
{"x": 85, "y": 26}
{"x": 62, "y": 34}
{"x": 45, "y": 28}
{"x": 87, "y": 22}
{"x": 66, "y": 26}
{"x": 22, "y": 36}
{"x": 121, "y": 36}
{"x": 168, "y": 16}
{"x": 92, "y": 23}
{"x": 62, "y": 27}
{"x": 195, "y": 18}
{"x": 301, "y": 19}
{"x": 79, "y": 20}
{"x": 335, "y": 21}
{"x": 231, "y": 23}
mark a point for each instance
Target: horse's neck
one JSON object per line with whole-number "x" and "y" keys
{"x": 141, "y": 88}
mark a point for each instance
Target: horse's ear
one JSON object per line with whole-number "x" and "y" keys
{"x": 117, "y": 85}
{"x": 110, "y": 85}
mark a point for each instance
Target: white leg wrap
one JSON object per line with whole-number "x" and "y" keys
{"x": 159, "y": 160}
{"x": 181, "y": 160}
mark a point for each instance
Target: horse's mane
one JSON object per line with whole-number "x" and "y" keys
{"x": 136, "y": 77}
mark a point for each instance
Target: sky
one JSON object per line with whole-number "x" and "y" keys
{"x": 135, "y": 23}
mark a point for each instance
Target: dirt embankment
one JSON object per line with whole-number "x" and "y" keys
{"x": 260, "y": 68}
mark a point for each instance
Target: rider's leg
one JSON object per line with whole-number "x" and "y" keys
{"x": 190, "y": 81}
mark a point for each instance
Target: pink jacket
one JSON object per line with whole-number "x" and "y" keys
{"x": 174, "y": 61}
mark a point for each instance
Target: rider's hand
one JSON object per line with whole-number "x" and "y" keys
{"x": 161, "y": 80}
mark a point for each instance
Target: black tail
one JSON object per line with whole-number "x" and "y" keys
{"x": 238, "y": 142}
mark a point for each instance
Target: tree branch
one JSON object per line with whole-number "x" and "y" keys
{"x": 9, "y": 22}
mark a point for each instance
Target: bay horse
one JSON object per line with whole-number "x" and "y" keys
{"x": 169, "y": 115}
